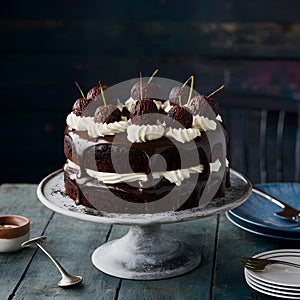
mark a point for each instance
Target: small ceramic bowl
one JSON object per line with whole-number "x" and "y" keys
{"x": 14, "y": 230}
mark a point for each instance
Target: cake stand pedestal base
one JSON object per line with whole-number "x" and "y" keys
{"x": 146, "y": 253}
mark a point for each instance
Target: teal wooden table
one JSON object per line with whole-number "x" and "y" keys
{"x": 29, "y": 274}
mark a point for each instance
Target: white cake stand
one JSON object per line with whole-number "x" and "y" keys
{"x": 145, "y": 252}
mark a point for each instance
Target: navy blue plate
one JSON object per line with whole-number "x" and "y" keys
{"x": 259, "y": 211}
{"x": 261, "y": 230}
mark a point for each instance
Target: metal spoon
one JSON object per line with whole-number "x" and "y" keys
{"x": 67, "y": 279}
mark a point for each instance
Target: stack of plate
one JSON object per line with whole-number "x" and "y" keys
{"x": 277, "y": 280}
{"x": 256, "y": 215}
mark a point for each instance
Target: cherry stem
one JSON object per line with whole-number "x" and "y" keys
{"x": 191, "y": 90}
{"x": 154, "y": 73}
{"x": 80, "y": 90}
{"x": 141, "y": 87}
{"x": 217, "y": 90}
{"x": 180, "y": 101}
{"x": 191, "y": 78}
{"x": 102, "y": 94}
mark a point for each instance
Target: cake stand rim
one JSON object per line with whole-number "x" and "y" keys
{"x": 86, "y": 214}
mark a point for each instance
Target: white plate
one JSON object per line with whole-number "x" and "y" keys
{"x": 267, "y": 291}
{"x": 273, "y": 287}
{"x": 284, "y": 276}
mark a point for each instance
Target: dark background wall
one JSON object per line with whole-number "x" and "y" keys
{"x": 251, "y": 46}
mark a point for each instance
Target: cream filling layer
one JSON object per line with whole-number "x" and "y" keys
{"x": 176, "y": 176}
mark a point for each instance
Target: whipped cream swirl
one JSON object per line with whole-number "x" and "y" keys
{"x": 79, "y": 123}
{"x": 143, "y": 133}
{"x": 204, "y": 123}
{"x": 95, "y": 129}
{"x": 102, "y": 129}
{"x": 182, "y": 135}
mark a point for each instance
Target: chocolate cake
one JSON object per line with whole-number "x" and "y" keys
{"x": 145, "y": 155}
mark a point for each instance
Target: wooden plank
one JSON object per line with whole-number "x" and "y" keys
{"x": 229, "y": 282}
{"x": 160, "y": 10}
{"x": 72, "y": 242}
{"x": 193, "y": 285}
{"x": 61, "y": 70}
{"x": 148, "y": 37}
{"x": 20, "y": 200}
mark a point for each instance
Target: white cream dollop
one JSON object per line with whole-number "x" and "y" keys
{"x": 102, "y": 129}
{"x": 95, "y": 129}
{"x": 143, "y": 133}
{"x": 129, "y": 103}
{"x": 158, "y": 104}
{"x": 120, "y": 105}
{"x": 219, "y": 118}
{"x": 215, "y": 166}
{"x": 183, "y": 135}
{"x": 166, "y": 106}
{"x": 203, "y": 123}
{"x": 79, "y": 123}
{"x": 227, "y": 163}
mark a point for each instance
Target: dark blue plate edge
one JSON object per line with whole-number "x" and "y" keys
{"x": 262, "y": 185}
{"x": 256, "y": 229}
